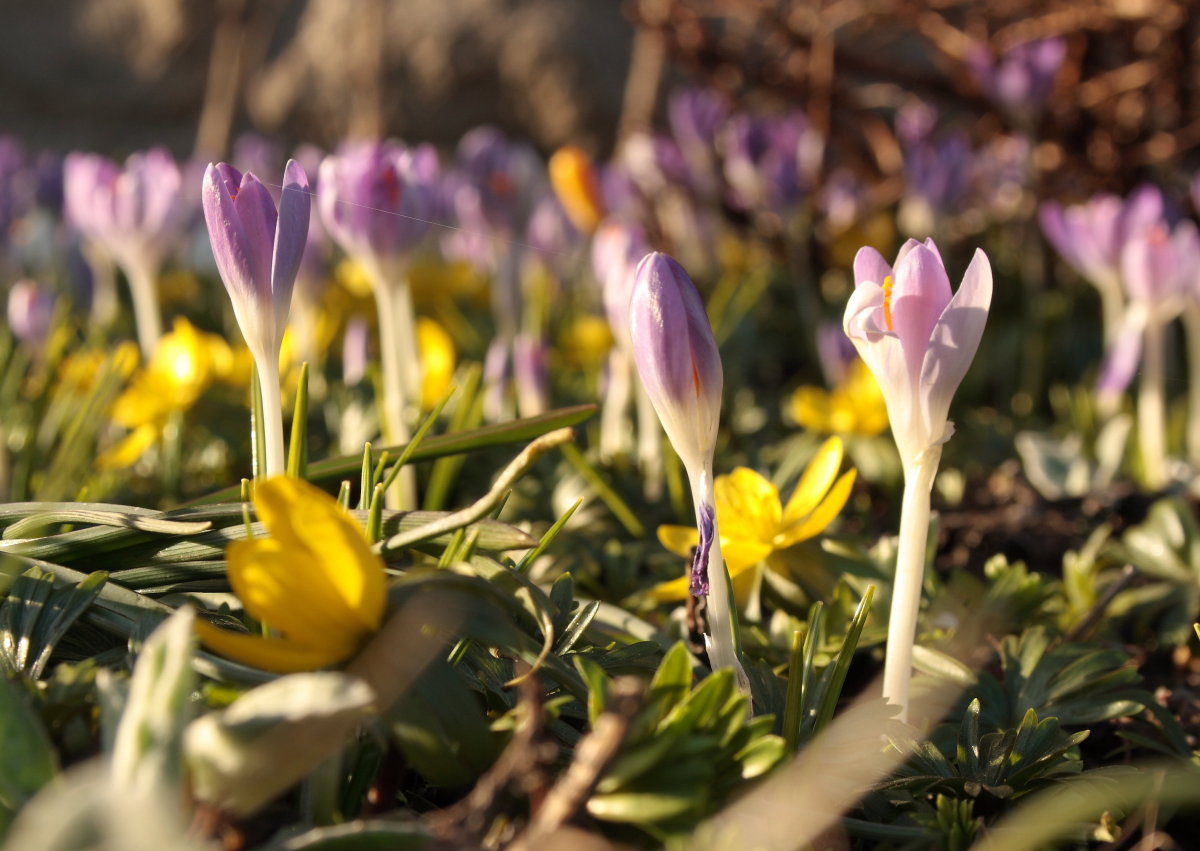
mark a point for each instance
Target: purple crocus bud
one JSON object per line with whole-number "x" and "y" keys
{"x": 257, "y": 249}
{"x": 30, "y": 312}
{"x": 917, "y": 338}
{"x": 677, "y": 358}
{"x": 375, "y": 204}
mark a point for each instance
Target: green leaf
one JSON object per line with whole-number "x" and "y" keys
{"x": 27, "y": 760}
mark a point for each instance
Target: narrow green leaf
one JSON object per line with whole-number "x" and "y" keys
{"x": 297, "y": 461}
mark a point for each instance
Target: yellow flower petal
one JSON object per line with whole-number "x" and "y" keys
{"x": 747, "y": 506}
{"x": 291, "y": 592}
{"x": 129, "y": 450}
{"x": 815, "y": 481}
{"x": 306, "y": 519}
{"x": 268, "y": 654}
{"x": 821, "y": 516}
{"x": 676, "y": 589}
{"x": 741, "y": 555}
{"x": 437, "y": 361}
{"x": 679, "y": 539}
{"x": 577, "y": 186}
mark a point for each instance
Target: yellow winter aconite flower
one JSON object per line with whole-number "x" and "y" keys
{"x": 753, "y": 524}
{"x": 184, "y": 364}
{"x": 855, "y": 406}
{"x": 437, "y": 361}
{"x": 315, "y": 581}
{"x": 586, "y": 341}
{"x": 577, "y": 186}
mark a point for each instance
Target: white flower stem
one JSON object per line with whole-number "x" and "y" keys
{"x": 649, "y": 445}
{"x": 143, "y": 289}
{"x": 1191, "y": 328}
{"x": 910, "y": 570}
{"x": 613, "y": 422}
{"x": 1151, "y": 406}
{"x": 395, "y": 324}
{"x": 272, "y": 406}
{"x": 1112, "y": 309}
{"x": 722, "y": 627}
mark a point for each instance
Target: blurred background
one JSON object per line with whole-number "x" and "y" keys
{"x": 119, "y": 75}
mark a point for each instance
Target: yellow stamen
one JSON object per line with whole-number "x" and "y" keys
{"x": 887, "y": 302}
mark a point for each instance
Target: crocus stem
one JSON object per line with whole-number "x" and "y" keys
{"x": 649, "y": 445}
{"x": 1112, "y": 309}
{"x": 1191, "y": 330}
{"x": 143, "y": 289}
{"x": 104, "y": 283}
{"x": 613, "y": 422}
{"x": 272, "y": 406}
{"x": 910, "y": 570}
{"x": 395, "y": 317}
{"x": 722, "y": 626}
{"x": 1151, "y": 407}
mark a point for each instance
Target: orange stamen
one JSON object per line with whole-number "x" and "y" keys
{"x": 887, "y": 302}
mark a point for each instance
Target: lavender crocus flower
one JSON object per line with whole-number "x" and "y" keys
{"x": 695, "y": 117}
{"x": 1158, "y": 272}
{"x": 1092, "y": 236}
{"x": 918, "y": 339}
{"x": 135, "y": 215}
{"x": 258, "y": 253}
{"x": 378, "y": 202}
{"x": 768, "y": 161}
{"x": 936, "y": 168}
{"x": 680, "y": 367}
{"x": 1022, "y": 78}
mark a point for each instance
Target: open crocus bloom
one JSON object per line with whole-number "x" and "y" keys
{"x": 917, "y": 337}
{"x": 315, "y": 581}
{"x": 754, "y": 524}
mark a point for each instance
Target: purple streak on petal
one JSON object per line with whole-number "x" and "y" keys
{"x": 698, "y": 586}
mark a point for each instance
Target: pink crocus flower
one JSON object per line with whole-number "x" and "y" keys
{"x": 917, "y": 337}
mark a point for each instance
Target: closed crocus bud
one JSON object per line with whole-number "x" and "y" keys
{"x": 257, "y": 249}
{"x": 677, "y": 358}
{"x": 917, "y": 337}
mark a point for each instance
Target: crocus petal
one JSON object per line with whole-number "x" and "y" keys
{"x": 291, "y": 236}
{"x": 230, "y": 243}
{"x": 268, "y": 654}
{"x": 822, "y": 515}
{"x": 815, "y": 481}
{"x": 919, "y": 294}
{"x": 256, "y": 211}
{"x": 869, "y": 265}
{"x": 954, "y": 343}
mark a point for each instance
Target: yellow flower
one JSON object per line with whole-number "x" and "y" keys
{"x": 184, "y": 364}
{"x": 315, "y": 581}
{"x": 437, "y": 361}
{"x": 855, "y": 406}
{"x": 577, "y": 186}
{"x": 753, "y": 524}
{"x": 586, "y": 341}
